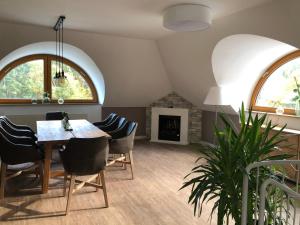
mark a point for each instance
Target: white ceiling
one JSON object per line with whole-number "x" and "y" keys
{"x": 134, "y": 18}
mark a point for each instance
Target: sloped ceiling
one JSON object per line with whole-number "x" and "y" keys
{"x": 187, "y": 56}
{"x": 134, "y": 18}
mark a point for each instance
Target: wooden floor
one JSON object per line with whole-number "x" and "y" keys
{"x": 151, "y": 198}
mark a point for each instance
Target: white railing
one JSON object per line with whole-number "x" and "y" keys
{"x": 284, "y": 211}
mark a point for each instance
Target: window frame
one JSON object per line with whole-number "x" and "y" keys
{"x": 47, "y": 58}
{"x": 280, "y": 62}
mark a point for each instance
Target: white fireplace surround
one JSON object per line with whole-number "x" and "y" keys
{"x": 184, "y": 123}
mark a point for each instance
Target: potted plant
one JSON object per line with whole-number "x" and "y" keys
{"x": 296, "y": 99}
{"x": 46, "y": 98}
{"x": 65, "y": 122}
{"x": 221, "y": 178}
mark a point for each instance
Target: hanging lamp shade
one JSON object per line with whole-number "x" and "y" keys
{"x": 187, "y": 17}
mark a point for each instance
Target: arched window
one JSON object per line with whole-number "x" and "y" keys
{"x": 278, "y": 86}
{"x": 30, "y": 77}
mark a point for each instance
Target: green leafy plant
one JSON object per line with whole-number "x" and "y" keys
{"x": 296, "y": 91}
{"x": 221, "y": 178}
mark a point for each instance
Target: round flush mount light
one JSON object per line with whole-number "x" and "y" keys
{"x": 187, "y": 17}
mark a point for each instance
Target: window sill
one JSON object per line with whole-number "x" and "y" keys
{"x": 275, "y": 114}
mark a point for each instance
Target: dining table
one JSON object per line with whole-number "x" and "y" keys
{"x": 51, "y": 133}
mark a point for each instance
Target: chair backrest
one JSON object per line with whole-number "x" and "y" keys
{"x": 109, "y": 118}
{"x": 16, "y": 132}
{"x": 121, "y": 123}
{"x": 7, "y": 127}
{"x": 116, "y": 124}
{"x": 15, "y": 126}
{"x": 8, "y": 121}
{"x": 54, "y": 116}
{"x": 123, "y": 140}
{"x": 16, "y": 153}
{"x": 132, "y": 126}
{"x": 16, "y": 139}
{"x": 85, "y": 156}
{"x": 131, "y": 130}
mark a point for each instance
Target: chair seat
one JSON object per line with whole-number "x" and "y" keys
{"x": 22, "y": 166}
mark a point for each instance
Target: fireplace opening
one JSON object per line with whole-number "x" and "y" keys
{"x": 169, "y": 128}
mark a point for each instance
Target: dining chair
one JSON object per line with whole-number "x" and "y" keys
{"x": 122, "y": 143}
{"x": 115, "y": 125}
{"x": 82, "y": 157}
{"x": 18, "y": 155}
{"x": 54, "y": 115}
{"x": 106, "y": 121}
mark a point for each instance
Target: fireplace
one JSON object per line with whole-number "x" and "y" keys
{"x": 169, "y": 125}
{"x": 169, "y": 128}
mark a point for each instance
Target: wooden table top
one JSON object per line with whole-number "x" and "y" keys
{"x": 53, "y": 131}
{"x": 85, "y": 129}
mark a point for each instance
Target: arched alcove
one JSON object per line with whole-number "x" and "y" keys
{"x": 70, "y": 52}
{"x": 238, "y": 61}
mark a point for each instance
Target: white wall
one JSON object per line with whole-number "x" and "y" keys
{"x": 29, "y": 114}
{"x": 132, "y": 68}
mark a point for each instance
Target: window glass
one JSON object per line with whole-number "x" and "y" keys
{"x": 75, "y": 87}
{"x": 278, "y": 89}
{"x": 25, "y": 81}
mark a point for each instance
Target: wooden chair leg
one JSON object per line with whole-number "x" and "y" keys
{"x": 71, "y": 187}
{"x": 121, "y": 164}
{"x": 41, "y": 172}
{"x": 98, "y": 181}
{"x": 104, "y": 187}
{"x": 2, "y": 179}
{"x": 65, "y": 183}
{"x": 131, "y": 163}
{"x": 37, "y": 172}
{"x": 124, "y": 164}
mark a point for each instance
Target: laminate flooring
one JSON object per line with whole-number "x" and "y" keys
{"x": 153, "y": 197}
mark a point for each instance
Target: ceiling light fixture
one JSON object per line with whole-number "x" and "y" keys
{"x": 59, "y": 76}
{"x": 187, "y": 17}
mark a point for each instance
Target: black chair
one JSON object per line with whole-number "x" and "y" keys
{"x": 16, "y": 132}
{"x": 106, "y": 121}
{"x": 122, "y": 143}
{"x": 54, "y": 115}
{"x": 115, "y": 125}
{"x": 85, "y": 156}
{"x": 17, "y": 156}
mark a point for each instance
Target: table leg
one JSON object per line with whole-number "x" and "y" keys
{"x": 47, "y": 164}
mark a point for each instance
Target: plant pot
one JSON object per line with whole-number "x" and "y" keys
{"x": 46, "y": 100}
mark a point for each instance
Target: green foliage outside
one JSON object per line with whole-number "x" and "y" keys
{"x": 75, "y": 86}
{"x": 26, "y": 81}
{"x": 279, "y": 89}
